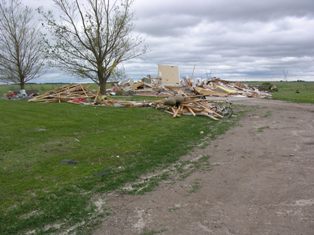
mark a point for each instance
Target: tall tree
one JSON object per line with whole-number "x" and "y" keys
{"x": 90, "y": 39}
{"x": 21, "y": 44}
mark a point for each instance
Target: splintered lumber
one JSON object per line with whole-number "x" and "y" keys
{"x": 191, "y": 111}
{"x": 222, "y": 88}
{"x": 207, "y": 87}
{"x": 176, "y": 105}
{"x": 64, "y": 94}
{"x": 190, "y": 106}
{"x": 137, "y": 85}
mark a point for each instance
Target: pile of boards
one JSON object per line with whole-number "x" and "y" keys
{"x": 215, "y": 87}
{"x": 151, "y": 87}
{"x": 176, "y": 105}
{"x": 75, "y": 93}
{"x": 193, "y": 106}
{"x": 221, "y": 88}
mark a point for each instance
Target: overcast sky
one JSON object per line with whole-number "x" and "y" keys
{"x": 231, "y": 39}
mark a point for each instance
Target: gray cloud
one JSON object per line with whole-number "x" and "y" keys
{"x": 227, "y": 38}
{"x": 228, "y": 9}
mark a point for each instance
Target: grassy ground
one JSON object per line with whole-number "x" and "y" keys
{"x": 55, "y": 157}
{"x": 300, "y": 92}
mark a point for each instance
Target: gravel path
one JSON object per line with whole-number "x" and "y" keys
{"x": 261, "y": 181}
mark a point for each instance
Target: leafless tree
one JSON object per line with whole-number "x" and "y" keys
{"x": 90, "y": 38}
{"x": 21, "y": 44}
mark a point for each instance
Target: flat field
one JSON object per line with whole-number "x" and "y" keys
{"x": 298, "y": 92}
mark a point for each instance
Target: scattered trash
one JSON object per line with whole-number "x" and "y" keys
{"x": 20, "y": 95}
{"x": 187, "y": 99}
{"x": 215, "y": 87}
{"x": 221, "y": 88}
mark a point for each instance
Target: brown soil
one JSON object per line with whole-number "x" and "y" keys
{"x": 261, "y": 181}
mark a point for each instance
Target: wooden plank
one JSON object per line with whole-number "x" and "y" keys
{"x": 191, "y": 111}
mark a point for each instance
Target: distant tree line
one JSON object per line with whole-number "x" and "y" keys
{"x": 89, "y": 40}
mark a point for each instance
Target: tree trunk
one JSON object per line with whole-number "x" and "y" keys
{"x": 22, "y": 85}
{"x": 102, "y": 87}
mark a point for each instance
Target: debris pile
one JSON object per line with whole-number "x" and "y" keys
{"x": 187, "y": 99}
{"x": 222, "y": 88}
{"x": 193, "y": 106}
{"x": 20, "y": 95}
{"x": 107, "y": 102}
{"x": 74, "y": 93}
{"x": 176, "y": 106}
{"x": 144, "y": 87}
{"x": 215, "y": 87}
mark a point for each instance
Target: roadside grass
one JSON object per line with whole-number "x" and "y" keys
{"x": 298, "y": 92}
{"x": 54, "y": 158}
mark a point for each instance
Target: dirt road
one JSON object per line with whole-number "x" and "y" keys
{"x": 261, "y": 181}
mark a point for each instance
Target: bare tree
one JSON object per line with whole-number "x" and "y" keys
{"x": 21, "y": 45}
{"x": 90, "y": 39}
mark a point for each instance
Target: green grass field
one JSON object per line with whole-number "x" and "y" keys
{"x": 300, "y": 92}
{"x": 107, "y": 148}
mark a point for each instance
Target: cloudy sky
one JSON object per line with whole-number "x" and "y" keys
{"x": 231, "y": 39}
